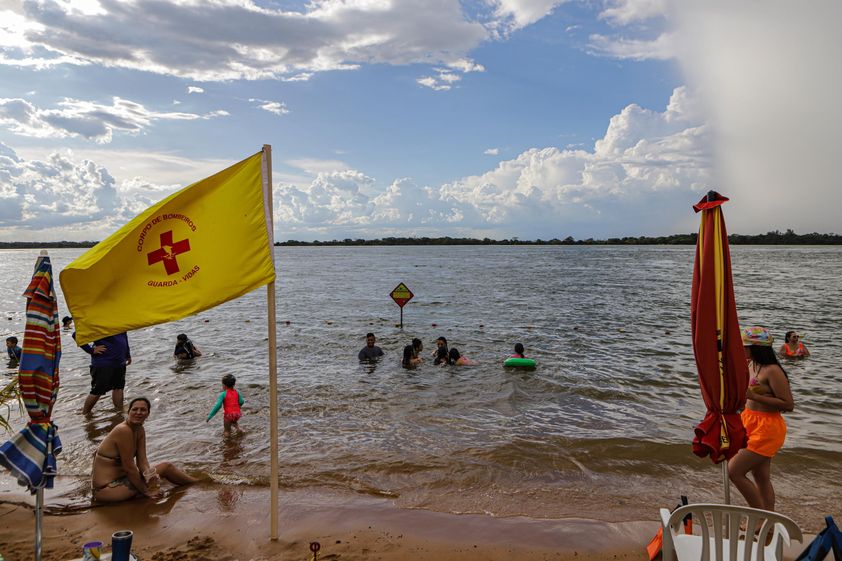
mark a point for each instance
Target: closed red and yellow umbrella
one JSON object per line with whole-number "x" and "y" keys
{"x": 717, "y": 344}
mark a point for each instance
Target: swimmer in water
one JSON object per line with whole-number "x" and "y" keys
{"x": 370, "y": 351}
{"x": 411, "y": 355}
{"x": 442, "y": 357}
{"x": 459, "y": 359}
{"x": 793, "y": 347}
{"x": 185, "y": 349}
{"x": 441, "y": 343}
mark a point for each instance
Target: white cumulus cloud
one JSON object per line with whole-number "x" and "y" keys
{"x": 241, "y": 39}
{"x": 646, "y": 163}
{"x": 55, "y": 193}
{"x": 511, "y": 15}
{"x": 625, "y": 12}
{"x": 445, "y": 78}
{"x": 663, "y": 47}
{"x": 276, "y": 107}
{"x": 86, "y": 119}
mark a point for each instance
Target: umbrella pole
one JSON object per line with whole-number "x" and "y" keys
{"x": 39, "y": 503}
{"x": 726, "y": 481}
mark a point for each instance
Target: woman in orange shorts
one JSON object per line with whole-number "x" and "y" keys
{"x": 767, "y": 397}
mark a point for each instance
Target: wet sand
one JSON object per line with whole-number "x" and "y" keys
{"x": 214, "y": 522}
{"x": 221, "y": 523}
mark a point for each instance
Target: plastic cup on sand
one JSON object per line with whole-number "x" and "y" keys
{"x": 153, "y": 481}
{"x": 91, "y": 551}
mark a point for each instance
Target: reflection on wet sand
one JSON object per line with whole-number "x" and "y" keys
{"x": 97, "y": 428}
{"x": 142, "y": 509}
{"x": 165, "y": 504}
{"x": 227, "y": 497}
{"x": 232, "y": 448}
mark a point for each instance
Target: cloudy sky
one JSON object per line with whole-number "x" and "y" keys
{"x": 480, "y": 118}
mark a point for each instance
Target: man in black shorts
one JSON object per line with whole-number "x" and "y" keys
{"x": 109, "y": 358}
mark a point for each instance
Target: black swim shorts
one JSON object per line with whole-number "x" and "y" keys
{"x": 107, "y": 378}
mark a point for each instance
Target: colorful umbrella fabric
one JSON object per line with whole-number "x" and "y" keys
{"x": 30, "y": 455}
{"x": 717, "y": 343}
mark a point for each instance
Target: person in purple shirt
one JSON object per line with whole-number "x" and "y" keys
{"x": 109, "y": 358}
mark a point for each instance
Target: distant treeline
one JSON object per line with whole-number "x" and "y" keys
{"x": 770, "y": 238}
{"x": 44, "y": 245}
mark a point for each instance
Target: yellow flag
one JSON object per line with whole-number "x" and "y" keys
{"x": 204, "y": 245}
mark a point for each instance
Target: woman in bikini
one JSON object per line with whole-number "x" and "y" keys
{"x": 120, "y": 461}
{"x": 793, "y": 347}
{"x": 767, "y": 397}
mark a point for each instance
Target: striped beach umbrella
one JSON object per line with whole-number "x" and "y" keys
{"x": 31, "y": 454}
{"x": 717, "y": 342}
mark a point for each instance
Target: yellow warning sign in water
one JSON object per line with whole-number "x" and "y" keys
{"x": 401, "y": 295}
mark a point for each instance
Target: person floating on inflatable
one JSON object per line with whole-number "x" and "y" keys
{"x": 519, "y": 360}
{"x": 793, "y": 347}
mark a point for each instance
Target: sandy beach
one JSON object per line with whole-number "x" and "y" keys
{"x": 210, "y": 522}
{"x": 213, "y": 522}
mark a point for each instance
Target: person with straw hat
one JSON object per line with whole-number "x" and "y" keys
{"x": 767, "y": 397}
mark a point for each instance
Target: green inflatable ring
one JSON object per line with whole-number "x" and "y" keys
{"x": 519, "y": 362}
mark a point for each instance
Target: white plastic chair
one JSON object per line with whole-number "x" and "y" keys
{"x": 726, "y": 533}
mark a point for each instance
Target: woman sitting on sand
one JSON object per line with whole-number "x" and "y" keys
{"x": 121, "y": 470}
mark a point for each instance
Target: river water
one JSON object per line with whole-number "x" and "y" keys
{"x": 601, "y": 428}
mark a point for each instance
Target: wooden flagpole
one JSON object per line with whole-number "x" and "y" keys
{"x": 273, "y": 353}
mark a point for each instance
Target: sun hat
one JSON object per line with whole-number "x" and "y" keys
{"x": 756, "y": 335}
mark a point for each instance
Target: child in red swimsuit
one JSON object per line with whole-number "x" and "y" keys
{"x": 230, "y": 401}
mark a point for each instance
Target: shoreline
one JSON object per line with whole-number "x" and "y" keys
{"x": 219, "y": 522}
{"x": 214, "y": 522}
